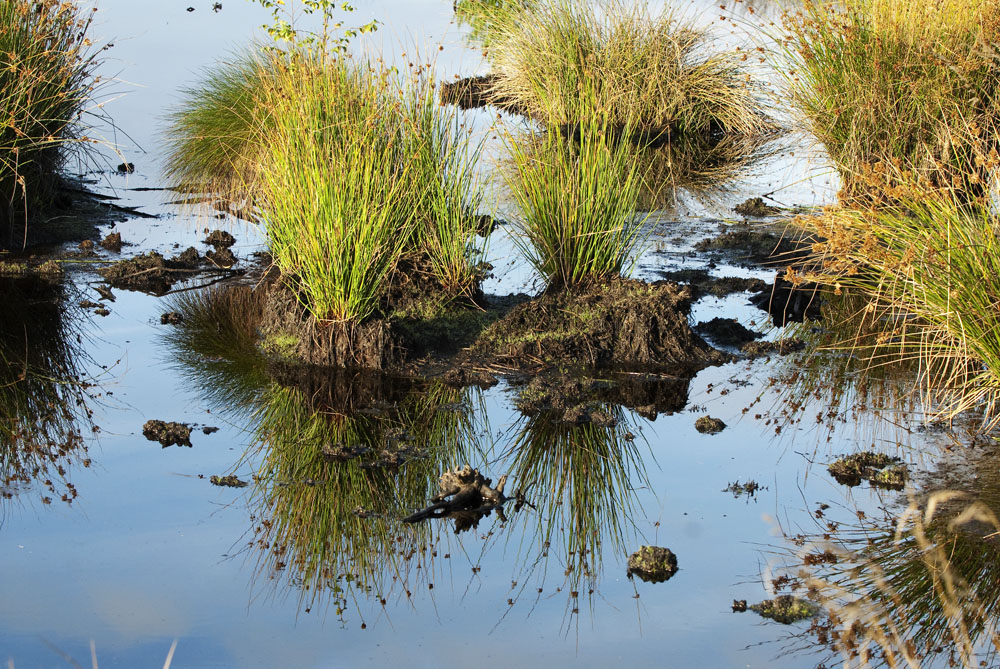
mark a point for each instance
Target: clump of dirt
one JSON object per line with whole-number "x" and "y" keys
{"x": 879, "y": 469}
{"x": 620, "y": 323}
{"x": 152, "y": 273}
{"x": 171, "y": 318}
{"x": 703, "y": 283}
{"x": 727, "y": 332}
{"x": 786, "y": 609}
{"x": 221, "y": 257}
{"x": 779, "y": 347}
{"x": 220, "y": 239}
{"x": 229, "y": 481}
{"x": 113, "y": 242}
{"x": 652, "y": 564}
{"x": 709, "y": 425}
{"x": 758, "y": 246}
{"x": 290, "y": 332}
{"x": 755, "y": 207}
{"x": 168, "y": 434}
{"x": 86, "y": 247}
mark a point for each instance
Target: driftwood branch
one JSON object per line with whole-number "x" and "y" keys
{"x": 466, "y": 495}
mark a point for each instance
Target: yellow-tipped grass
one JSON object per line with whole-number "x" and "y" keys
{"x": 45, "y": 82}
{"x": 930, "y": 273}
{"x": 653, "y": 71}
{"x": 899, "y": 91}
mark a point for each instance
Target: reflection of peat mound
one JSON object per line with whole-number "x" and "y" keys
{"x": 579, "y": 399}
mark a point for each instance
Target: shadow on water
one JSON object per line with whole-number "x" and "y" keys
{"x": 43, "y": 395}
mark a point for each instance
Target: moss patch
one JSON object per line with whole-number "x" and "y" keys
{"x": 621, "y": 323}
{"x": 652, "y": 564}
{"x": 709, "y": 425}
{"x": 786, "y": 609}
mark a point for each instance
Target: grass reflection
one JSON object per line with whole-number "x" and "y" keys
{"x": 43, "y": 395}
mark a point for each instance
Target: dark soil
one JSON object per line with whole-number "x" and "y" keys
{"x": 220, "y": 239}
{"x": 476, "y": 93}
{"x": 652, "y": 564}
{"x": 292, "y": 334}
{"x": 756, "y": 208}
{"x": 152, "y": 273}
{"x": 880, "y": 470}
{"x": 171, "y": 318}
{"x": 727, "y": 332}
{"x": 622, "y": 323}
{"x": 709, "y": 425}
{"x": 113, "y": 242}
{"x": 703, "y": 283}
{"x": 168, "y": 434}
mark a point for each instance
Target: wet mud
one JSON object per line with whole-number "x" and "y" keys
{"x": 652, "y": 564}
{"x": 167, "y": 434}
{"x": 152, "y": 273}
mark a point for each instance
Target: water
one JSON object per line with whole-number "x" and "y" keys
{"x": 150, "y": 552}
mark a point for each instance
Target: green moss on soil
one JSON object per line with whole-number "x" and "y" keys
{"x": 879, "y": 469}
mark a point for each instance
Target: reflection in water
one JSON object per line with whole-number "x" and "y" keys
{"x": 341, "y": 457}
{"x": 42, "y": 396}
{"x": 332, "y": 487}
{"x": 915, "y": 591}
{"x": 582, "y": 480}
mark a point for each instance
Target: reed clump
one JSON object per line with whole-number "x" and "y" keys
{"x": 926, "y": 274}
{"x": 899, "y": 92}
{"x": 347, "y": 166}
{"x": 577, "y": 198}
{"x": 46, "y": 78}
{"x": 654, "y": 73}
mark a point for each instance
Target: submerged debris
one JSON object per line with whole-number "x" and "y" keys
{"x": 749, "y": 488}
{"x": 709, "y": 425}
{"x": 652, "y": 564}
{"x": 171, "y": 318}
{"x": 786, "y": 609}
{"x": 229, "y": 481}
{"x": 472, "y": 496}
{"x": 880, "y": 470}
{"x": 168, "y": 434}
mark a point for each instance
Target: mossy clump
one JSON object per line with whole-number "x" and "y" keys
{"x": 709, "y": 425}
{"x": 727, "y": 332}
{"x": 879, "y": 469}
{"x": 786, "y": 609}
{"x": 152, "y": 273}
{"x": 168, "y": 434}
{"x": 229, "y": 481}
{"x": 617, "y": 323}
{"x": 652, "y": 564}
